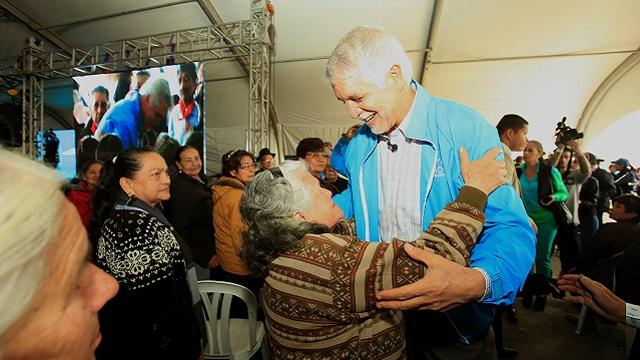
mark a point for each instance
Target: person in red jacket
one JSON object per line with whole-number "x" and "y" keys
{"x": 81, "y": 195}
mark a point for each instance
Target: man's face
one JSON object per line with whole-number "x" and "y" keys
{"x": 518, "y": 139}
{"x": 366, "y": 102}
{"x": 153, "y": 116}
{"x": 100, "y": 106}
{"x": 187, "y": 86}
{"x": 266, "y": 162}
{"x": 322, "y": 209}
{"x": 317, "y": 161}
{"x": 564, "y": 159}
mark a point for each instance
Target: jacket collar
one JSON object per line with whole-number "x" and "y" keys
{"x": 418, "y": 128}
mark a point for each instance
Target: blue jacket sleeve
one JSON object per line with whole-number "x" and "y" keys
{"x": 344, "y": 200}
{"x": 506, "y": 247}
{"x": 338, "y": 159}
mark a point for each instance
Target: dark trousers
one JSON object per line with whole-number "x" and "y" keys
{"x": 569, "y": 246}
{"x": 497, "y": 325}
{"x": 431, "y": 336}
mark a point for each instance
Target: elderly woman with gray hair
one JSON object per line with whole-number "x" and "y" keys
{"x": 50, "y": 293}
{"x": 320, "y": 287}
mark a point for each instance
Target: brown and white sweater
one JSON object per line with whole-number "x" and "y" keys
{"x": 319, "y": 298}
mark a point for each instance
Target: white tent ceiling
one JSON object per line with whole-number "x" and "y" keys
{"x": 541, "y": 59}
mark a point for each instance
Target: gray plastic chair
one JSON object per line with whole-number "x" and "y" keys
{"x": 229, "y": 338}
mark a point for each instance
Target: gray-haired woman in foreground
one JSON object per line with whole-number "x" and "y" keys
{"x": 50, "y": 293}
{"x": 320, "y": 288}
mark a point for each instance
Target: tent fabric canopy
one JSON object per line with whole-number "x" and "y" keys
{"x": 543, "y": 60}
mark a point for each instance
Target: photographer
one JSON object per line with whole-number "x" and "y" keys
{"x": 573, "y": 178}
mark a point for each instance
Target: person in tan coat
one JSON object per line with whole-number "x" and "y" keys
{"x": 238, "y": 168}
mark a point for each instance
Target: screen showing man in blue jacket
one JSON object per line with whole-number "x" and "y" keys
{"x": 403, "y": 168}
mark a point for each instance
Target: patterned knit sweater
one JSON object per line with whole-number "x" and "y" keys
{"x": 319, "y": 298}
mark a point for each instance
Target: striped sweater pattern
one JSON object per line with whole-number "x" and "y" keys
{"x": 319, "y": 298}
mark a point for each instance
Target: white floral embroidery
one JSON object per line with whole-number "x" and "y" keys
{"x": 138, "y": 261}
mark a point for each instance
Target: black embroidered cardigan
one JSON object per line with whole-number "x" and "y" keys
{"x": 151, "y": 317}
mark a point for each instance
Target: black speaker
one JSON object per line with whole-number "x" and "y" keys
{"x": 10, "y": 125}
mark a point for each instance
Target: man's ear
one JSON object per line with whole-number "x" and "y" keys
{"x": 509, "y": 133}
{"x": 233, "y": 173}
{"x": 395, "y": 73}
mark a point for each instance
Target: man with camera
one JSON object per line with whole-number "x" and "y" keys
{"x": 574, "y": 175}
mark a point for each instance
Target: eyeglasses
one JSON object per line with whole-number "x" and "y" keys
{"x": 247, "y": 166}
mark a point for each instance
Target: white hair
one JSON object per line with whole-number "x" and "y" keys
{"x": 30, "y": 199}
{"x": 159, "y": 91}
{"x": 367, "y": 53}
{"x": 301, "y": 195}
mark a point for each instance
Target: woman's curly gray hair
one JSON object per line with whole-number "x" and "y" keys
{"x": 268, "y": 206}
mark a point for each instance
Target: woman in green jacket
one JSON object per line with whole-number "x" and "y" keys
{"x": 543, "y": 217}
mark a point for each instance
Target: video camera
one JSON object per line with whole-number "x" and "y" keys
{"x": 565, "y": 133}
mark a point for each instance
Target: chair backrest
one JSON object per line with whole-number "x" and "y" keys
{"x": 217, "y": 297}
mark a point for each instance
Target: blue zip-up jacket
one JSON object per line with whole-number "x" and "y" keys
{"x": 506, "y": 247}
{"x": 124, "y": 120}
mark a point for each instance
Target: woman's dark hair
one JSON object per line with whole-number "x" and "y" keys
{"x": 182, "y": 149}
{"x": 108, "y": 191}
{"x": 232, "y": 160}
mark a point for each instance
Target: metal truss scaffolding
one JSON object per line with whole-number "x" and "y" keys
{"x": 32, "y": 104}
{"x": 247, "y": 40}
{"x": 259, "y": 66}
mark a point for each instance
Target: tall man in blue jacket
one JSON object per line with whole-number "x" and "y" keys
{"x": 403, "y": 168}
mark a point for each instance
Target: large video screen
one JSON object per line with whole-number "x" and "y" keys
{"x": 158, "y": 108}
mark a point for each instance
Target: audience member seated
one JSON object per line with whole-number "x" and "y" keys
{"x": 597, "y": 258}
{"x": 238, "y": 169}
{"x": 108, "y": 148}
{"x": 81, "y": 193}
{"x": 320, "y": 289}
{"x": 315, "y": 153}
{"x": 190, "y": 207}
{"x": 152, "y": 315}
{"x": 265, "y": 159}
{"x": 600, "y": 299}
{"x": 332, "y": 177}
{"x": 50, "y": 293}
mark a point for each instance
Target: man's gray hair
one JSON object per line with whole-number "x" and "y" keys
{"x": 268, "y": 207}
{"x": 159, "y": 91}
{"x": 367, "y": 53}
{"x": 29, "y": 221}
